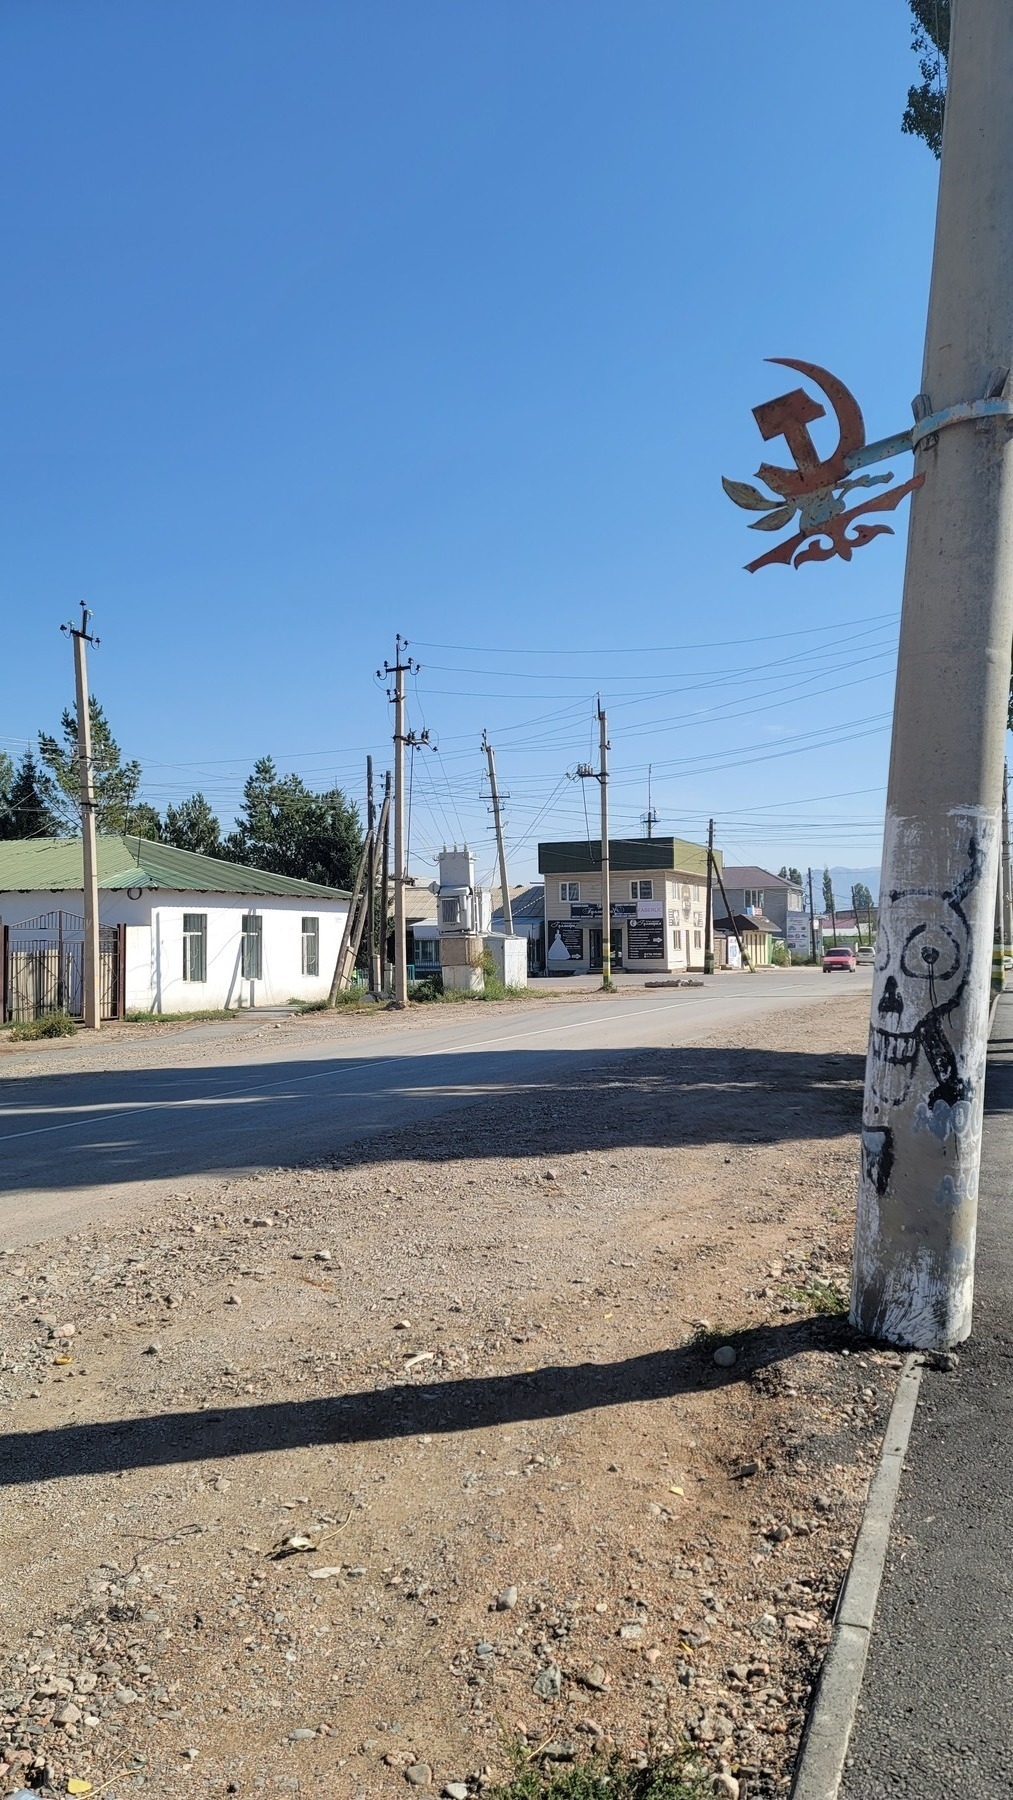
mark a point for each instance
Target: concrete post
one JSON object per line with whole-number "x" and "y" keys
{"x": 921, "y": 1134}
{"x": 606, "y": 866}
{"x": 91, "y": 974}
{"x": 400, "y": 934}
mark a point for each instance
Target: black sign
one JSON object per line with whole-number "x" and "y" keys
{"x": 646, "y": 937}
{"x": 623, "y": 909}
{"x": 562, "y": 936}
{"x": 584, "y": 910}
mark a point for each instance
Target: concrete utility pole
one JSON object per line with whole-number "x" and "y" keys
{"x": 402, "y": 740}
{"x": 708, "y": 923}
{"x": 384, "y": 882}
{"x": 812, "y": 918}
{"x": 92, "y": 998}
{"x": 399, "y": 670}
{"x": 585, "y": 772}
{"x": 921, "y": 1136}
{"x": 374, "y": 958}
{"x": 508, "y": 915}
{"x": 606, "y": 864}
{"x": 1007, "y": 873}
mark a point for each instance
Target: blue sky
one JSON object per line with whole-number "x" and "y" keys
{"x": 321, "y": 321}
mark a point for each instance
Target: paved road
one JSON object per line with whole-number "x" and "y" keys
{"x": 77, "y": 1146}
{"x": 936, "y": 1713}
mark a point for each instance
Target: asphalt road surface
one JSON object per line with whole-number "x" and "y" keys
{"x": 935, "y": 1716}
{"x": 76, "y": 1146}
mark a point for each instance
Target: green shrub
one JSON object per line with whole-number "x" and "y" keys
{"x": 780, "y": 955}
{"x": 598, "y": 1778}
{"x": 429, "y": 988}
{"x": 50, "y": 1025}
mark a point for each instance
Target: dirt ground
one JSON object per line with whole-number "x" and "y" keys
{"x": 342, "y": 1479}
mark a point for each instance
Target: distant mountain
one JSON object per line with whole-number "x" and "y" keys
{"x": 844, "y": 880}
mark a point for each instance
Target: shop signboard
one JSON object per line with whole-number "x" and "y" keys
{"x": 646, "y": 937}
{"x": 566, "y": 942}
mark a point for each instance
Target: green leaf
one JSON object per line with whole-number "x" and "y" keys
{"x": 744, "y": 495}
{"x": 774, "y": 520}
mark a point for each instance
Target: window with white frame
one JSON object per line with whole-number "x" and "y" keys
{"x": 569, "y": 890}
{"x": 641, "y": 890}
{"x": 252, "y": 956}
{"x": 677, "y": 940}
{"x": 753, "y": 897}
{"x": 195, "y": 946}
{"x": 427, "y": 953}
{"x": 311, "y": 946}
{"x": 698, "y": 940}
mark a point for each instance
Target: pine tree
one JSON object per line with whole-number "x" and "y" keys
{"x": 115, "y": 782}
{"x": 286, "y": 828}
{"x": 24, "y": 812}
{"x": 193, "y": 826}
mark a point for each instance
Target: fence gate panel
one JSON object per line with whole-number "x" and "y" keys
{"x": 45, "y": 967}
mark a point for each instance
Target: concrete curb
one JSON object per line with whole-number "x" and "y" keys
{"x": 820, "y": 1763}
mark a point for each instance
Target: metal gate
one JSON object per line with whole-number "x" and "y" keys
{"x": 43, "y": 966}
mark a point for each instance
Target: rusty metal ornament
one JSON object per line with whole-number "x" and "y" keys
{"x": 815, "y": 487}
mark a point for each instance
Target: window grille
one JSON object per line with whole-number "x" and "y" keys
{"x": 195, "y": 946}
{"x": 252, "y": 965}
{"x": 311, "y": 946}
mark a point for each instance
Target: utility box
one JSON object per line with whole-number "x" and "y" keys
{"x": 463, "y": 907}
{"x": 510, "y": 956}
{"x": 461, "y": 962}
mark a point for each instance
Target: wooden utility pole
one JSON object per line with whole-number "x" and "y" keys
{"x": 812, "y": 917}
{"x": 708, "y": 923}
{"x": 746, "y": 964}
{"x": 374, "y": 960}
{"x": 92, "y": 975}
{"x": 925, "y": 1073}
{"x": 508, "y": 915}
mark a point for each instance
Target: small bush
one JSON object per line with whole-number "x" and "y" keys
{"x": 671, "y": 1778}
{"x": 429, "y": 988}
{"x": 817, "y": 1297}
{"x": 50, "y": 1025}
{"x": 780, "y": 955}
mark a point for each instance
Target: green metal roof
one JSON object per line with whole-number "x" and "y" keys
{"x": 584, "y": 856}
{"x": 54, "y": 865}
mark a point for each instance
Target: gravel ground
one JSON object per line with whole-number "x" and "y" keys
{"x": 333, "y": 1477}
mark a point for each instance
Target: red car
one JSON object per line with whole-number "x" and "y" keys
{"x": 841, "y": 958}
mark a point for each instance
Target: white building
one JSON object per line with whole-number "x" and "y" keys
{"x": 179, "y": 932}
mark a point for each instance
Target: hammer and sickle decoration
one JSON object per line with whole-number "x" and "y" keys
{"x": 814, "y": 487}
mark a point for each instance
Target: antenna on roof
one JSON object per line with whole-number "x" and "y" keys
{"x": 649, "y": 819}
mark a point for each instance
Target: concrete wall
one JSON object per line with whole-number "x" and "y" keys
{"x": 154, "y": 946}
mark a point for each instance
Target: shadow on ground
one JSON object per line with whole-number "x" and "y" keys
{"x": 184, "y": 1122}
{"x": 404, "y": 1410}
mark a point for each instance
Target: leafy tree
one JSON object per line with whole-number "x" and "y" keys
{"x": 861, "y": 900}
{"x": 24, "y": 812}
{"x": 115, "y": 782}
{"x": 193, "y": 826}
{"x": 286, "y": 828}
{"x": 787, "y": 874}
{"x": 926, "y": 104}
{"x": 828, "y": 899}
